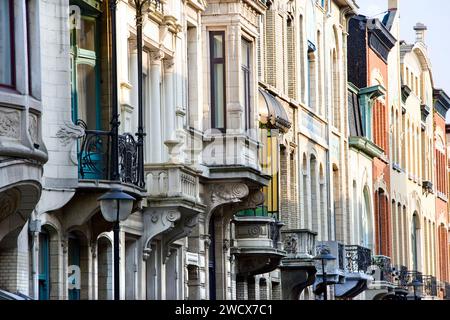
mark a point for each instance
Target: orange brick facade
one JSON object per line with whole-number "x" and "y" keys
{"x": 381, "y": 174}
{"x": 441, "y": 173}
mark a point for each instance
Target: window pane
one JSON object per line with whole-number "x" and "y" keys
{"x": 5, "y": 43}
{"x": 86, "y": 95}
{"x": 86, "y": 35}
{"x": 218, "y": 46}
{"x": 219, "y": 96}
{"x": 245, "y": 53}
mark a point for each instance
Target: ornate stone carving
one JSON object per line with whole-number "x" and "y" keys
{"x": 169, "y": 63}
{"x": 67, "y": 135}
{"x": 228, "y": 193}
{"x": 156, "y": 222}
{"x": 9, "y": 202}
{"x": 33, "y": 127}
{"x": 290, "y": 244}
{"x": 10, "y": 123}
{"x": 156, "y": 56}
{"x": 255, "y": 199}
{"x": 182, "y": 229}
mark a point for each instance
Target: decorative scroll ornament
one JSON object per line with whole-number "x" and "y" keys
{"x": 228, "y": 193}
{"x": 68, "y": 134}
{"x": 157, "y": 222}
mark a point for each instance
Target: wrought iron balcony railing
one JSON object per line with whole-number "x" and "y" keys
{"x": 400, "y": 277}
{"x": 341, "y": 256}
{"x": 382, "y": 269}
{"x": 358, "y": 258}
{"x": 429, "y": 286}
{"x": 95, "y": 153}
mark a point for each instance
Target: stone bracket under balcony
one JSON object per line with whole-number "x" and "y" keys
{"x": 358, "y": 260}
{"x": 173, "y": 204}
{"x": 256, "y": 244}
{"x": 298, "y": 269}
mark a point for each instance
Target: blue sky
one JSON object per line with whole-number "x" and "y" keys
{"x": 435, "y": 15}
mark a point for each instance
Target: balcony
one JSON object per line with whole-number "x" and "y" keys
{"x": 297, "y": 268}
{"x": 94, "y": 161}
{"x": 429, "y": 286}
{"x": 358, "y": 260}
{"x": 335, "y": 270}
{"x": 257, "y": 244}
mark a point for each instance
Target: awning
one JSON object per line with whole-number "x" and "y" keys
{"x": 272, "y": 112}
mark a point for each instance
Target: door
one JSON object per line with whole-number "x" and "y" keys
{"x": 74, "y": 265}
{"x": 212, "y": 261}
{"x": 44, "y": 271}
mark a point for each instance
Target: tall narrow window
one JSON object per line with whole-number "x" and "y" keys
{"x": 217, "y": 53}
{"x": 85, "y": 73}
{"x": 245, "y": 73}
{"x": 7, "y": 43}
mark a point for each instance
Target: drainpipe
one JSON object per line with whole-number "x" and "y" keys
{"x": 114, "y": 174}
{"x": 34, "y": 227}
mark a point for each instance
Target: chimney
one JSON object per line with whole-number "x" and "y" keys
{"x": 420, "y": 29}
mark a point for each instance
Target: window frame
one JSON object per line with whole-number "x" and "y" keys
{"x": 246, "y": 72}
{"x": 212, "y": 62}
{"x": 12, "y": 49}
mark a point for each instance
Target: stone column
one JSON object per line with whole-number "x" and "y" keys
{"x": 169, "y": 104}
{"x": 155, "y": 137}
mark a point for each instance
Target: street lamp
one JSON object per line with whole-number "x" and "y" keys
{"x": 324, "y": 256}
{"x": 415, "y": 284}
{"x": 116, "y": 206}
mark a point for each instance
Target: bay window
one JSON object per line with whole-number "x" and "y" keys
{"x": 7, "y": 43}
{"x": 217, "y": 66}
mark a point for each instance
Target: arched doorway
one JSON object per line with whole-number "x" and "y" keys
{"x": 105, "y": 268}
{"x": 78, "y": 266}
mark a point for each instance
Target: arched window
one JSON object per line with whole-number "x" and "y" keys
{"x": 337, "y": 207}
{"x": 314, "y": 193}
{"x": 366, "y": 222}
{"x": 305, "y": 211}
{"x": 415, "y": 242}
{"x": 335, "y": 90}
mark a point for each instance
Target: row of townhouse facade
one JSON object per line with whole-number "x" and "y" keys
{"x": 274, "y": 130}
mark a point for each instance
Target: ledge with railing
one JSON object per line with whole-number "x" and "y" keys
{"x": 95, "y": 154}
{"x": 382, "y": 270}
{"x": 429, "y": 286}
{"x": 358, "y": 259}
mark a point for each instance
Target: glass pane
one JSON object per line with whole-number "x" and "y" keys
{"x": 219, "y": 96}
{"x": 86, "y": 92}
{"x": 245, "y": 53}
{"x": 218, "y": 46}
{"x": 5, "y": 44}
{"x": 86, "y": 35}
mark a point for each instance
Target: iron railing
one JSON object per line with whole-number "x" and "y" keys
{"x": 429, "y": 286}
{"x": 383, "y": 269}
{"x": 94, "y": 156}
{"x": 447, "y": 291}
{"x": 341, "y": 255}
{"x": 358, "y": 258}
{"x": 400, "y": 277}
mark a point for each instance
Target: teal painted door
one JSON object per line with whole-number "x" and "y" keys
{"x": 74, "y": 260}
{"x": 44, "y": 267}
